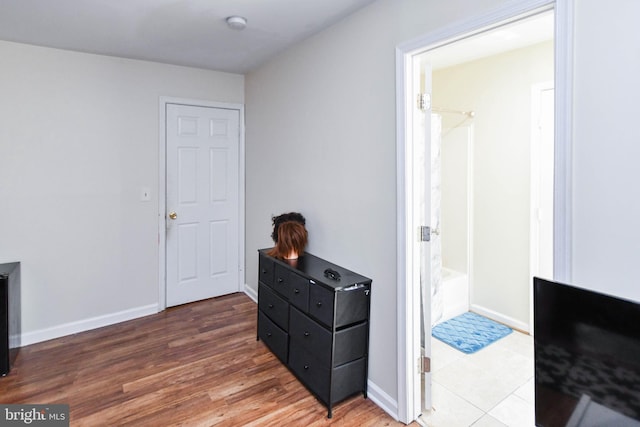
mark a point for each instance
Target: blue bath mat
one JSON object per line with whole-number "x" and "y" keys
{"x": 470, "y": 332}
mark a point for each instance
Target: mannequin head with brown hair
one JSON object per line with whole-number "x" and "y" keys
{"x": 292, "y": 239}
{"x": 285, "y": 217}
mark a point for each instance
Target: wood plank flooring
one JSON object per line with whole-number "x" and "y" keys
{"x": 194, "y": 365}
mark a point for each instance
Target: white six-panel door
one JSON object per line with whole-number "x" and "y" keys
{"x": 202, "y": 202}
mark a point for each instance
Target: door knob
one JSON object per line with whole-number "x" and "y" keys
{"x": 173, "y": 215}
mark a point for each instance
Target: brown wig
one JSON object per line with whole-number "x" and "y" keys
{"x": 285, "y": 217}
{"x": 292, "y": 239}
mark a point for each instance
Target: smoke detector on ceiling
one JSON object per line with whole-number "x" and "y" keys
{"x": 236, "y": 22}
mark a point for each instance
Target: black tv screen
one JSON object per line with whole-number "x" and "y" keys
{"x": 587, "y": 357}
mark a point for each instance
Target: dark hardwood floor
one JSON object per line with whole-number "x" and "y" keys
{"x": 194, "y": 365}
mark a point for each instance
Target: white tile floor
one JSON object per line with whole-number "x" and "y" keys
{"x": 490, "y": 388}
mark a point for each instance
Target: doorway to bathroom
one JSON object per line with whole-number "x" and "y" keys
{"x": 491, "y": 148}
{"x": 416, "y": 254}
{"x": 485, "y": 160}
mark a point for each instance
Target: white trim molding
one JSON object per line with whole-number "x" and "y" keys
{"x": 408, "y": 409}
{"x": 563, "y": 169}
{"x": 251, "y": 293}
{"x": 404, "y": 292}
{"x": 501, "y": 318}
{"x": 86, "y": 324}
{"x": 382, "y": 399}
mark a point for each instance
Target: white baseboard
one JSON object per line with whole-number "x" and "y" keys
{"x": 501, "y": 318}
{"x": 382, "y": 399}
{"x": 86, "y": 324}
{"x": 251, "y": 293}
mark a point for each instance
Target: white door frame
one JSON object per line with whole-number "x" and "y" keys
{"x": 408, "y": 311}
{"x": 162, "y": 190}
{"x": 536, "y": 161}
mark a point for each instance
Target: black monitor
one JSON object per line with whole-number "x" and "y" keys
{"x": 587, "y": 357}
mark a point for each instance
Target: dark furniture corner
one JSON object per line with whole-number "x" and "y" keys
{"x": 314, "y": 316}
{"x": 10, "y": 323}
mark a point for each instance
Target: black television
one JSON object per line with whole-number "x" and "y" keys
{"x": 587, "y": 357}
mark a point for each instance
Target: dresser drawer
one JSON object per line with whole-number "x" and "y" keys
{"x": 280, "y": 279}
{"x": 348, "y": 379}
{"x": 329, "y": 385}
{"x": 309, "y": 336}
{"x": 350, "y": 343}
{"x": 276, "y": 308}
{"x": 274, "y": 337}
{"x": 298, "y": 291}
{"x": 265, "y": 269}
{"x": 311, "y": 372}
{"x": 350, "y": 305}
{"x": 321, "y": 304}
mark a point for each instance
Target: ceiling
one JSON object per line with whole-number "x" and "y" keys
{"x": 192, "y": 33}
{"x": 515, "y": 35}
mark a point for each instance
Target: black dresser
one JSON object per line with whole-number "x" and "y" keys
{"x": 314, "y": 316}
{"x": 10, "y": 317}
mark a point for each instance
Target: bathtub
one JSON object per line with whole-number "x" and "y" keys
{"x": 455, "y": 293}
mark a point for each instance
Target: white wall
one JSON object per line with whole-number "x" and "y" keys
{"x": 320, "y": 139}
{"x": 454, "y": 231}
{"x": 498, "y": 90}
{"x": 606, "y": 150}
{"x": 69, "y": 179}
{"x": 78, "y": 141}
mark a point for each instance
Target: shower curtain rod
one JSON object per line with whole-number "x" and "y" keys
{"x": 469, "y": 114}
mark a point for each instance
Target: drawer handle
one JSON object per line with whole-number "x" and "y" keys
{"x": 306, "y": 334}
{"x": 269, "y": 334}
{"x": 280, "y": 280}
{"x": 270, "y": 305}
{"x": 306, "y": 367}
{"x": 264, "y": 271}
{"x": 296, "y": 291}
{"x": 319, "y": 304}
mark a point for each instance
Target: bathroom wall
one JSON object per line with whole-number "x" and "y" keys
{"x": 456, "y": 166}
{"x": 498, "y": 90}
